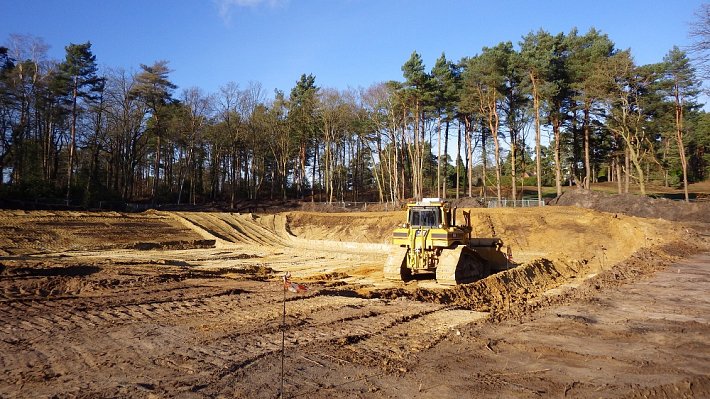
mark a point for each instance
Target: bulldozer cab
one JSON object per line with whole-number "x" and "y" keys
{"x": 432, "y": 213}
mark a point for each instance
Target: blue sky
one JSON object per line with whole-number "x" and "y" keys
{"x": 344, "y": 43}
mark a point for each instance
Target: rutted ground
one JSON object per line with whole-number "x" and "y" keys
{"x": 190, "y": 304}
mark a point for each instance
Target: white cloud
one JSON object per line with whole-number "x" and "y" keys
{"x": 225, "y": 7}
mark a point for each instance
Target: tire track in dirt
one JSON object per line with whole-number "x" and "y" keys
{"x": 37, "y": 319}
{"x": 312, "y": 321}
{"x": 45, "y": 333}
{"x": 414, "y": 335}
{"x": 364, "y": 331}
{"x": 317, "y": 320}
{"x": 355, "y": 326}
{"x": 364, "y": 325}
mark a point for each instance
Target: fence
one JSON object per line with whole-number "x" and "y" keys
{"x": 506, "y": 203}
{"x": 357, "y": 205}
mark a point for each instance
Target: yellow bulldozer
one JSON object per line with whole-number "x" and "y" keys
{"x": 430, "y": 242}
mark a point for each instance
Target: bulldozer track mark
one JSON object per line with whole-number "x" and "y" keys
{"x": 267, "y": 233}
{"x": 210, "y": 231}
{"x": 232, "y": 229}
{"x": 491, "y": 226}
{"x": 298, "y": 310}
{"x": 253, "y": 231}
{"x": 254, "y": 346}
{"x": 311, "y": 320}
{"x": 211, "y": 227}
{"x": 421, "y": 332}
{"x": 31, "y": 317}
{"x": 403, "y": 320}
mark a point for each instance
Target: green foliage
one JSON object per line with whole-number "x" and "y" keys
{"x": 153, "y": 86}
{"x": 698, "y": 146}
{"x": 414, "y": 72}
{"x": 77, "y": 75}
{"x": 445, "y": 85}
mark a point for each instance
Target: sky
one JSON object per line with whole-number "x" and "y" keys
{"x": 343, "y": 43}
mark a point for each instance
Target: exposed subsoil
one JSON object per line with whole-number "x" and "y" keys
{"x": 190, "y": 304}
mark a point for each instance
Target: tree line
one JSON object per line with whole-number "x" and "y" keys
{"x": 550, "y": 110}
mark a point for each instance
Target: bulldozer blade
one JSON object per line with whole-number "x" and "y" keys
{"x": 490, "y": 250}
{"x": 460, "y": 265}
{"x": 395, "y": 265}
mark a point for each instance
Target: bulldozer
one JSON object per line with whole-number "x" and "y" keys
{"x": 430, "y": 242}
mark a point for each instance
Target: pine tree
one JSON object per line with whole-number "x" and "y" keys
{"x": 77, "y": 76}
{"x": 155, "y": 90}
{"x": 303, "y": 120}
{"x": 680, "y": 84}
{"x": 536, "y": 51}
{"x": 417, "y": 97}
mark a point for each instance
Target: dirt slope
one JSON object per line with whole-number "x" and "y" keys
{"x": 553, "y": 232}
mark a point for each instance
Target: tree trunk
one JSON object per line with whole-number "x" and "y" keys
{"x": 313, "y": 172}
{"x": 538, "y": 152}
{"x": 617, "y": 164}
{"x": 72, "y": 142}
{"x": 627, "y": 168}
{"x": 484, "y": 159}
{"x": 444, "y": 184}
{"x": 558, "y": 167}
{"x": 497, "y": 161}
{"x": 154, "y": 191}
{"x": 438, "y": 158}
{"x": 679, "y": 139}
{"x": 458, "y": 157}
{"x": 469, "y": 155}
{"x": 513, "y": 183}
{"x": 587, "y": 160}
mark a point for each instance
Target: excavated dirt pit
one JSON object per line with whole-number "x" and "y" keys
{"x": 189, "y": 304}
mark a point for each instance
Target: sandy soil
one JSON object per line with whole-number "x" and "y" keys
{"x": 190, "y": 304}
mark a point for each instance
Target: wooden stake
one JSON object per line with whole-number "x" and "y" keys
{"x": 283, "y": 336}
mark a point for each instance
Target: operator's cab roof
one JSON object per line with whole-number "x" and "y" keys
{"x": 429, "y": 202}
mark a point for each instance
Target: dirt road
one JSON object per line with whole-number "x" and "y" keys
{"x": 648, "y": 339}
{"x": 190, "y": 305}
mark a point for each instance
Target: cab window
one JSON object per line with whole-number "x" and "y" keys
{"x": 426, "y": 217}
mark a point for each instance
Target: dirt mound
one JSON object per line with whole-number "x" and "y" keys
{"x": 499, "y": 290}
{"x": 636, "y": 205}
{"x": 42, "y": 279}
{"x": 468, "y": 202}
